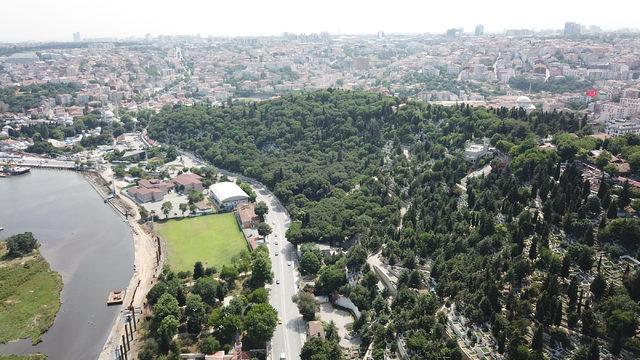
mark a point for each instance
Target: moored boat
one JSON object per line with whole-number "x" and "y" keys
{"x": 19, "y": 170}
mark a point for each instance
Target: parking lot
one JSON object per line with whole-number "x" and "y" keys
{"x": 175, "y": 199}
{"x": 342, "y": 318}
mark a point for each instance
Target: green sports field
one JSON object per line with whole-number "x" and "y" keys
{"x": 212, "y": 239}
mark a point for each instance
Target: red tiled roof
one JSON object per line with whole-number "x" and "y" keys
{"x": 155, "y": 184}
{"x": 247, "y": 212}
{"x": 633, "y": 183}
{"x": 187, "y": 179}
{"x": 143, "y": 191}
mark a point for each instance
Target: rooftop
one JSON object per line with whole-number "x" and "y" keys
{"x": 227, "y": 190}
{"x": 316, "y": 329}
{"x": 187, "y": 179}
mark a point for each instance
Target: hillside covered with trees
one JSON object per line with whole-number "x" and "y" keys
{"x": 553, "y": 85}
{"x": 21, "y": 98}
{"x": 511, "y": 250}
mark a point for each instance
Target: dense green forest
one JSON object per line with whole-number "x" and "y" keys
{"x": 423, "y": 81}
{"x": 554, "y": 85}
{"x": 22, "y": 98}
{"x": 42, "y": 132}
{"x": 311, "y": 149}
{"x": 192, "y": 302}
{"x": 508, "y": 249}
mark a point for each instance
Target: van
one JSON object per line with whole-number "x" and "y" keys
{"x": 283, "y": 356}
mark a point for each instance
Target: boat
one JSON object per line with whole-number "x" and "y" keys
{"x": 19, "y": 170}
{"x": 1, "y": 228}
{"x": 116, "y": 297}
{"x": 10, "y": 169}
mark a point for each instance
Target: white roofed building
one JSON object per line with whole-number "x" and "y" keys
{"x": 226, "y": 195}
{"x": 473, "y": 151}
{"x": 525, "y": 103}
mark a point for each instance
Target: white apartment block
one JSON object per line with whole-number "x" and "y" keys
{"x": 633, "y": 105}
{"x": 622, "y": 126}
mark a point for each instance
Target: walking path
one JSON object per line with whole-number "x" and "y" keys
{"x": 144, "y": 277}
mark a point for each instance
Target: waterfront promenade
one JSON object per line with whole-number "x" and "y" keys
{"x": 38, "y": 162}
{"x": 146, "y": 271}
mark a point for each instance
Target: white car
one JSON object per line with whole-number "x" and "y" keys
{"x": 276, "y": 242}
{"x": 289, "y": 263}
{"x": 277, "y": 282}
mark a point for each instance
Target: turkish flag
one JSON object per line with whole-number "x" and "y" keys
{"x": 592, "y": 93}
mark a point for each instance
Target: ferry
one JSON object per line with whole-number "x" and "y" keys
{"x": 9, "y": 170}
{"x": 19, "y": 170}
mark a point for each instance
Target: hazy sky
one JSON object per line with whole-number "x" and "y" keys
{"x": 40, "y": 20}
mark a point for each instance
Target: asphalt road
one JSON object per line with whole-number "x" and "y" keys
{"x": 289, "y": 336}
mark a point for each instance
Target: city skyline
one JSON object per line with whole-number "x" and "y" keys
{"x": 40, "y": 20}
{"x": 337, "y": 181}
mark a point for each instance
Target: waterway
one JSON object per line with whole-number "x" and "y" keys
{"x": 85, "y": 241}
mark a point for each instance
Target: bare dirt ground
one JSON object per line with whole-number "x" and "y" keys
{"x": 341, "y": 318}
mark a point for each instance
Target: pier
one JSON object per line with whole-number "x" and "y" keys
{"x": 37, "y": 162}
{"x": 116, "y": 297}
{"x": 51, "y": 164}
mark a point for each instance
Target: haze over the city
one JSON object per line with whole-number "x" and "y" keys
{"x": 43, "y": 20}
{"x": 326, "y": 180}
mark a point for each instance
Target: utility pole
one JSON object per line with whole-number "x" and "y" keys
{"x": 133, "y": 315}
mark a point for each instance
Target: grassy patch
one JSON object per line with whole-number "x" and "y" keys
{"x": 23, "y": 357}
{"x": 29, "y": 297}
{"x": 212, "y": 239}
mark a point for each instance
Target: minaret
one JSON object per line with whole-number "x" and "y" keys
{"x": 237, "y": 349}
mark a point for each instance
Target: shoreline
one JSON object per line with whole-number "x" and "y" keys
{"x": 146, "y": 270}
{"x": 145, "y": 273}
{"x": 19, "y": 262}
{"x": 115, "y": 242}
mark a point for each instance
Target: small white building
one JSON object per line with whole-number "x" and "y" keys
{"x": 473, "y": 152}
{"x": 525, "y": 103}
{"x": 226, "y": 195}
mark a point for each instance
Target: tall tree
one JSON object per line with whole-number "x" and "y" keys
{"x": 260, "y": 267}
{"x": 261, "y": 321}
{"x": 261, "y": 210}
{"x": 196, "y": 314}
{"x": 198, "y": 270}
{"x": 307, "y": 305}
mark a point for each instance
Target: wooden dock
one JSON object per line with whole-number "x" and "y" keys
{"x": 116, "y": 297}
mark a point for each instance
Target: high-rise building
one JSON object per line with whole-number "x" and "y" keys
{"x": 76, "y": 37}
{"x": 572, "y": 29}
{"x": 453, "y": 33}
{"x": 479, "y": 30}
